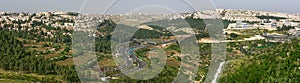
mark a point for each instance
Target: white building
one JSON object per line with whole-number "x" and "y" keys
{"x": 256, "y": 37}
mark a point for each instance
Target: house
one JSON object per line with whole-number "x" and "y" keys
{"x": 294, "y": 32}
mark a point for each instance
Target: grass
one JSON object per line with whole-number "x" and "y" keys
{"x": 13, "y": 81}
{"x": 21, "y": 77}
{"x": 107, "y": 63}
{"x": 173, "y": 62}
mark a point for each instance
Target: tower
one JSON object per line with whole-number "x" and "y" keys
{"x": 268, "y": 19}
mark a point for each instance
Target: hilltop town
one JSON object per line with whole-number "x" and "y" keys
{"x": 238, "y": 20}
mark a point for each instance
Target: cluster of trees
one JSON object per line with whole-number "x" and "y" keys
{"x": 147, "y": 34}
{"x": 107, "y": 26}
{"x": 28, "y": 78}
{"x": 73, "y": 13}
{"x": 167, "y": 75}
{"x": 285, "y": 28}
{"x": 13, "y": 57}
{"x": 39, "y": 35}
{"x": 273, "y": 64}
{"x": 270, "y": 17}
{"x": 200, "y": 24}
{"x": 103, "y": 45}
{"x": 233, "y": 35}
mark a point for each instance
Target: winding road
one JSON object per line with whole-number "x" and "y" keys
{"x": 129, "y": 55}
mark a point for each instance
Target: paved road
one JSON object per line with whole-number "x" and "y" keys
{"x": 129, "y": 55}
{"x": 219, "y": 70}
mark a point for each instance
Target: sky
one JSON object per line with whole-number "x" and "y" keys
{"x": 121, "y": 6}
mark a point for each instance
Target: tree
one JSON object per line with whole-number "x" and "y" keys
{"x": 233, "y": 35}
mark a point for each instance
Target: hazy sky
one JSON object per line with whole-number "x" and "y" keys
{"x": 287, "y": 6}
